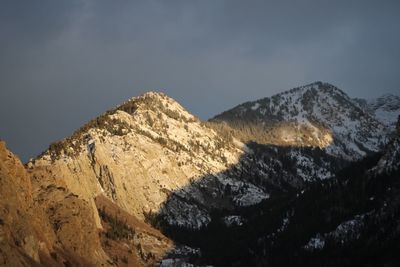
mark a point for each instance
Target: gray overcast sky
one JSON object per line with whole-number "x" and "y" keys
{"x": 64, "y": 62}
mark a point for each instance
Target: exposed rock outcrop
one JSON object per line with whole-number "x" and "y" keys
{"x": 42, "y": 223}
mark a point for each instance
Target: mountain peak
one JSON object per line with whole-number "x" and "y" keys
{"x": 146, "y": 100}
{"x": 317, "y": 114}
{"x": 156, "y": 102}
{"x": 150, "y": 95}
{"x": 141, "y": 114}
{"x": 317, "y": 87}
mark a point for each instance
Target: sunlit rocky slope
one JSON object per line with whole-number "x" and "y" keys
{"x": 43, "y": 223}
{"x": 317, "y": 115}
{"x": 141, "y": 153}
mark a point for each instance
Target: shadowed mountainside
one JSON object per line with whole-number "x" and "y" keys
{"x": 344, "y": 221}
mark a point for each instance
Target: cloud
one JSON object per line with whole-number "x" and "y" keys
{"x": 64, "y": 62}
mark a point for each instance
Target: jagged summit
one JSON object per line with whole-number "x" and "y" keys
{"x": 153, "y": 93}
{"x": 157, "y": 102}
{"x": 317, "y": 114}
{"x": 317, "y": 87}
{"x": 146, "y": 111}
{"x": 146, "y": 100}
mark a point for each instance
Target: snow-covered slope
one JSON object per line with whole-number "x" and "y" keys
{"x": 316, "y": 115}
{"x": 390, "y": 160}
{"x": 386, "y": 108}
{"x": 350, "y": 220}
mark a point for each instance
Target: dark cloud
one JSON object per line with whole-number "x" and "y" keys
{"x": 64, "y": 62}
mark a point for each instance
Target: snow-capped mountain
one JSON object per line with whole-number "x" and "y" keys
{"x": 242, "y": 178}
{"x": 155, "y": 159}
{"x": 385, "y": 108}
{"x": 151, "y": 156}
{"x": 318, "y": 114}
{"x": 160, "y": 163}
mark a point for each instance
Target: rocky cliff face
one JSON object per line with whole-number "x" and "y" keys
{"x": 43, "y": 223}
{"x": 15, "y": 218}
{"x": 317, "y": 114}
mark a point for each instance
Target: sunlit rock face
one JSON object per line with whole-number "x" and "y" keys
{"x": 316, "y": 115}
{"x": 43, "y": 224}
{"x": 16, "y": 224}
{"x": 144, "y": 152}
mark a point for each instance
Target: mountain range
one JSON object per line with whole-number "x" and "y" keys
{"x": 310, "y": 172}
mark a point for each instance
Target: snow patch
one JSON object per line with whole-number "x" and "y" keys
{"x": 255, "y": 106}
{"x": 233, "y": 220}
{"x": 315, "y": 243}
